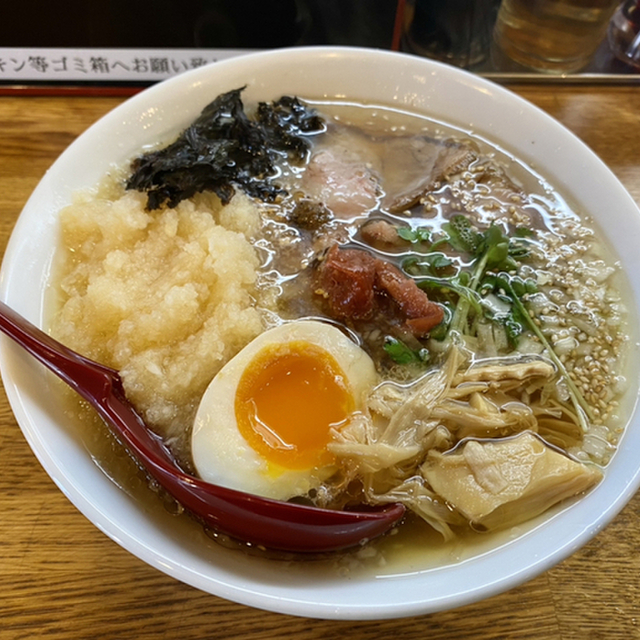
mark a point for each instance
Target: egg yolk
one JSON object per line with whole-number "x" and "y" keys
{"x": 287, "y": 400}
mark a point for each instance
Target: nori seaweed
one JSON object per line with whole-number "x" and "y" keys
{"x": 223, "y": 149}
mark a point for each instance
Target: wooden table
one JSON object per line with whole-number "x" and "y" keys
{"x": 62, "y": 578}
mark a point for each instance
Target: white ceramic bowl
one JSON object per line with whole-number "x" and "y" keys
{"x": 407, "y": 82}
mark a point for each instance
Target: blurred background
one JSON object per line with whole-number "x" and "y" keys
{"x": 254, "y": 24}
{"x": 464, "y": 33}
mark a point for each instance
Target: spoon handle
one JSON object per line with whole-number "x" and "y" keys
{"x": 85, "y": 376}
{"x": 258, "y": 520}
{"x": 98, "y": 384}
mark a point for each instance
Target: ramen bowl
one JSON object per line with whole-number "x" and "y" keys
{"x": 355, "y": 585}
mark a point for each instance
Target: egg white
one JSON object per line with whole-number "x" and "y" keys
{"x": 221, "y": 454}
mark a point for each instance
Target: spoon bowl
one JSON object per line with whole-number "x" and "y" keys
{"x": 260, "y": 521}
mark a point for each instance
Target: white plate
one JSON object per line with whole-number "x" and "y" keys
{"x": 379, "y": 77}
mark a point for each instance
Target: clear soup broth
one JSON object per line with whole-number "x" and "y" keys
{"x": 490, "y": 310}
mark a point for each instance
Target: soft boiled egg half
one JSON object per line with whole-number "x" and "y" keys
{"x": 264, "y": 422}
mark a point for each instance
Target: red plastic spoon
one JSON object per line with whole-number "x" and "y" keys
{"x": 260, "y": 521}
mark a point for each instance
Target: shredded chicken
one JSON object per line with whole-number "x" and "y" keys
{"x": 480, "y": 417}
{"x": 405, "y": 449}
{"x": 415, "y": 494}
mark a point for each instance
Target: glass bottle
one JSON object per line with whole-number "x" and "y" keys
{"x": 624, "y": 33}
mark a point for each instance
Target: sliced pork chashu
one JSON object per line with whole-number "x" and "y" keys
{"x": 412, "y": 167}
{"x": 348, "y": 175}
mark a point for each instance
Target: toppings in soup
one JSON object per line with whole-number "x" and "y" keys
{"x": 340, "y": 304}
